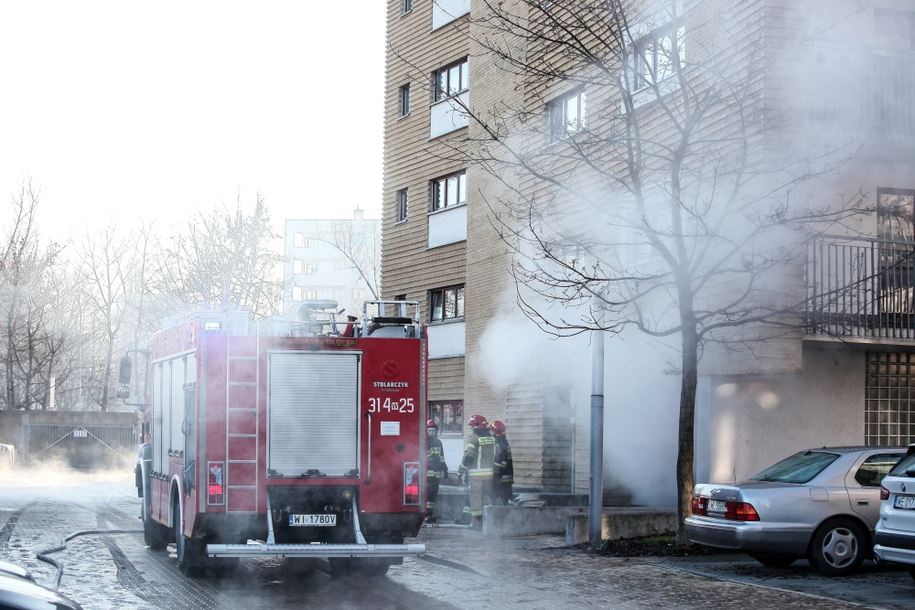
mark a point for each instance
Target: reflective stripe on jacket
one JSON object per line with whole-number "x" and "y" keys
{"x": 479, "y": 454}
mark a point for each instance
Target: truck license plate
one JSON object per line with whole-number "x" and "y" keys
{"x": 312, "y": 520}
{"x": 904, "y": 502}
{"x": 715, "y": 506}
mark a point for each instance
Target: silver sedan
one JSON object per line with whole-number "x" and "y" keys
{"x": 821, "y": 504}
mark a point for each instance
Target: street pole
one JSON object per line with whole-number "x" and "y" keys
{"x": 597, "y": 433}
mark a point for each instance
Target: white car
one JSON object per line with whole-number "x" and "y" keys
{"x": 894, "y": 535}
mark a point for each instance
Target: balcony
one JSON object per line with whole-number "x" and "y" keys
{"x": 860, "y": 288}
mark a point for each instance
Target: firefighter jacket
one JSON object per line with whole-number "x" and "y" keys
{"x": 502, "y": 469}
{"x": 435, "y": 458}
{"x": 479, "y": 454}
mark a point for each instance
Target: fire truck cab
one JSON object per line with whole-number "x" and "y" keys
{"x": 296, "y": 436}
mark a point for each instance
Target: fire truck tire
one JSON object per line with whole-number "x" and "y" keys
{"x": 339, "y": 566}
{"x": 372, "y": 570}
{"x": 155, "y": 535}
{"x": 189, "y": 552}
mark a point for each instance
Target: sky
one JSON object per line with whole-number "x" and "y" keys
{"x": 127, "y": 110}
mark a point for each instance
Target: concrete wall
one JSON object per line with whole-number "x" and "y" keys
{"x": 11, "y": 421}
{"x": 757, "y": 420}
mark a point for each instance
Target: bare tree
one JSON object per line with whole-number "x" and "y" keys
{"x": 645, "y": 178}
{"x": 359, "y": 242}
{"x": 108, "y": 260}
{"x": 24, "y": 264}
{"x": 224, "y": 259}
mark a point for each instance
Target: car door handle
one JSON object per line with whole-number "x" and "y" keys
{"x": 864, "y": 502}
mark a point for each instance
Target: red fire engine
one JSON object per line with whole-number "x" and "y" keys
{"x": 292, "y": 437}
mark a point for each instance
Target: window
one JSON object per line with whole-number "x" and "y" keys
{"x": 449, "y": 415}
{"x": 652, "y": 58}
{"x": 798, "y": 469}
{"x": 566, "y": 115}
{"x": 403, "y": 101}
{"x": 896, "y": 215}
{"x": 450, "y": 81}
{"x": 297, "y": 240}
{"x": 400, "y": 213}
{"x": 406, "y": 6}
{"x": 400, "y": 297}
{"x": 309, "y": 269}
{"x": 446, "y": 303}
{"x": 874, "y": 468}
{"x": 309, "y": 294}
{"x": 297, "y": 293}
{"x": 894, "y": 29}
{"x": 448, "y": 191}
{"x": 296, "y": 266}
{"x": 889, "y": 406}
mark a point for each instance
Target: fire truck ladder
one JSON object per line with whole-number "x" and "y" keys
{"x": 242, "y": 424}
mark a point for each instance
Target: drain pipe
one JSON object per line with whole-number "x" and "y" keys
{"x": 597, "y": 429}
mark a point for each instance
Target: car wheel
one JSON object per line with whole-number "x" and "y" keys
{"x": 838, "y": 547}
{"x": 775, "y": 561}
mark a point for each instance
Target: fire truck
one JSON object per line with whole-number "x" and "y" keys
{"x": 297, "y": 436}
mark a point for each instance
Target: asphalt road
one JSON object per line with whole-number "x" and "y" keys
{"x": 462, "y": 569}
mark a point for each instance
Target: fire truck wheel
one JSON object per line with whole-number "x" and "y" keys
{"x": 155, "y": 535}
{"x": 339, "y": 566}
{"x": 373, "y": 570}
{"x": 190, "y": 560}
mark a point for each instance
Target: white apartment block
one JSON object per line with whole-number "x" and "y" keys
{"x": 331, "y": 259}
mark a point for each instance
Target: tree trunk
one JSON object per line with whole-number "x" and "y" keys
{"x": 685, "y": 446}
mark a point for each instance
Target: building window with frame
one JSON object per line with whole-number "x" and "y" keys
{"x": 297, "y": 293}
{"x": 894, "y": 29}
{"x": 403, "y": 101}
{"x": 450, "y": 81}
{"x": 896, "y": 215}
{"x": 400, "y": 213}
{"x": 446, "y": 303}
{"x": 449, "y": 415}
{"x": 406, "y": 6}
{"x": 652, "y": 57}
{"x": 296, "y": 266}
{"x": 297, "y": 240}
{"x": 308, "y": 269}
{"x": 567, "y": 115}
{"x": 448, "y": 191}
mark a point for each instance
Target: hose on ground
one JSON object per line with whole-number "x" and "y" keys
{"x": 43, "y": 555}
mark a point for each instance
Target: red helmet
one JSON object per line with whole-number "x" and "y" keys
{"x": 477, "y": 421}
{"x": 431, "y": 424}
{"x": 498, "y": 428}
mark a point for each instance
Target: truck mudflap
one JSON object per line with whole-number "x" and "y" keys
{"x": 316, "y": 550}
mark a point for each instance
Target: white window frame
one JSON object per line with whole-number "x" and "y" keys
{"x": 451, "y": 80}
{"x": 402, "y": 202}
{"x": 403, "y": 101}
{"x": 297, "y": 239}
{"x": 567, "y": 115}
{"x": 448, "y": 191}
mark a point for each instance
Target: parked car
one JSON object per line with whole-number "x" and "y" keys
{"x": 821, "y": 504}
{"x": 894, "y": 537}
{"x": 18, "y": 592}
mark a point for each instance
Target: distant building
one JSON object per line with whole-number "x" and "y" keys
{"x": 331, "y": 259}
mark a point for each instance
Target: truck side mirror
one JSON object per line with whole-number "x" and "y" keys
{"x": 124, "y": 392}
{"x": 124, "y": 370}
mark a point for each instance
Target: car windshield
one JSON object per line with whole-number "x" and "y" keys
{"x": 906, "y": 463}
{"x": 799, "y": 468}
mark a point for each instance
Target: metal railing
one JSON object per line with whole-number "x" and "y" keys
{"x": 859, "y": 287}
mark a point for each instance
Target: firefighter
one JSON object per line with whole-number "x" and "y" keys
{"x": 502, "y": 470}
{"x": 435, "y": 467}
{"x": 476, "y": 466}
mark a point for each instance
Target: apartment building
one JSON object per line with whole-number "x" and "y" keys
{"x": 332, "y": 259}
{"x": 835, "y": 73}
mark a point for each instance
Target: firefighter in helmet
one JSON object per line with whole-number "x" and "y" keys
{"x": 503, "y": 471}
{"x": 479, "y": 453}
{"x": 435, "y": 467}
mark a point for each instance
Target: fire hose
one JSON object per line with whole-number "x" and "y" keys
{"x": 43, "y": 555}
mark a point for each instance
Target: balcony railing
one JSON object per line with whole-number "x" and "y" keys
{"x": 861, "y": 288}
